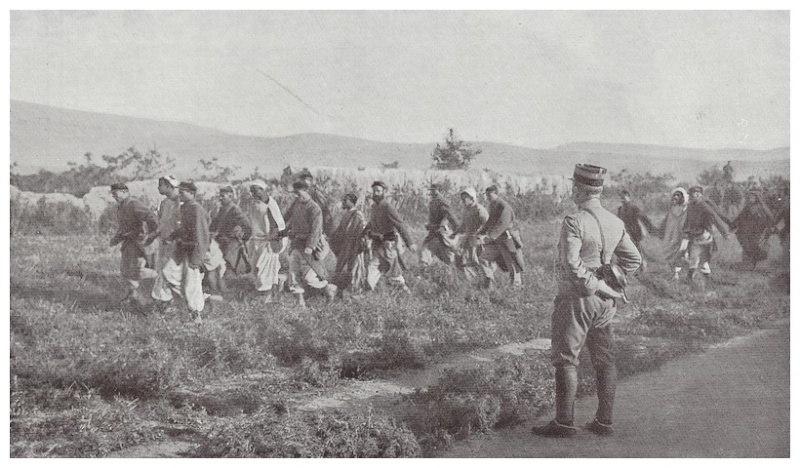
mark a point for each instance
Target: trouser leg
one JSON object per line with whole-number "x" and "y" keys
{"x": 606, "y": 389}
{"x": 566, "y": 388}
{"x": 373, "y": 272}
{"x": 193, "y": 288}
{"x": 168, "y": 282}
{"x": 600, "y": 342}
{"x": 214, "y": 279}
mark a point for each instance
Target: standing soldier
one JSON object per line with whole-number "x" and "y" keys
{"x": 346, "y": 243}
{"x": 441, "y": 223}
{"x": 319, "y": 198}
{"x": 383, "y": 228}
{"x": 501, "y": 246}
{"x": 183, "y": 272}
{"x": 632, "y": 216}
{"x": 475, "y": 216}
{"x": 169, "y": 219}
{"x": 586, "y": 303}
{"x": 309, "y": 247}
{"x": 697, "y": 238}
{"x": 231, "y": 229}
{"x": 266, "y": 243}
{"x": 134, "y": 217}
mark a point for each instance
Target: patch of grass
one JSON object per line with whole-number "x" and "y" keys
{"x": 91, "y": 430}
{"x": 336, "y": 434}
{"x": 463, "y": 402}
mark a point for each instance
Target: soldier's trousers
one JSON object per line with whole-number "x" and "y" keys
{"x": 579, "y": 321}
{"x": 182, "y": 280}
{"x": 385, "y": 261}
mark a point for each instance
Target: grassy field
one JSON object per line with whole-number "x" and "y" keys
{"x": 90, "y": 378}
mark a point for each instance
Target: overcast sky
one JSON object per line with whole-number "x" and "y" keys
{"x": 537, "y": 79}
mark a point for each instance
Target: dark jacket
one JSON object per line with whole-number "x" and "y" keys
{"x": 134, "y": 217}
{"x": 632, "y": 215}
{"x": 193, "y": 236}
{"x": 501, "y": 219}
{"x": 322, "y": 202}
{"x": 227, "y": 220}
{"x": 386, "y": 221}
{"x": 305, "y": 226}
{"x": 701, "y": 216}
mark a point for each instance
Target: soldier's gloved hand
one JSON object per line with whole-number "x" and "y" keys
{"x": 308, "y": 251}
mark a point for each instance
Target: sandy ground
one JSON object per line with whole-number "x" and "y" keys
{"x": 732, "y": 401}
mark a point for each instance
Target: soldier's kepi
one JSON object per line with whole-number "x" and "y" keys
{"x": 586, "y": 303}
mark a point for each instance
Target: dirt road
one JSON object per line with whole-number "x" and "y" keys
{"x": 732, "y": 401}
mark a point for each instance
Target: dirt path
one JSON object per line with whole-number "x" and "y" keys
{"x": 732, "y": 401}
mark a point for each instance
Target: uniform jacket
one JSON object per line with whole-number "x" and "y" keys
{"x": 501, "y": 219}
{"x": 701, "y": 217}
{"x": 169, "y": 216}
{"x": 322, "y": 201}
{"x": 193, "y": 235}
{"x": 438, "y": 212}
{"x": 386, "y": 221}
{"x": 632, "y": 215}
{"x": 134, "y": 217}
{"x": 579, "y": 249}
{"x": 226, "y": 221}
{"x": 305, "y": 226}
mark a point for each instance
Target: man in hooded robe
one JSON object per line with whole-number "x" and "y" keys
{"x": 671, "y": 231}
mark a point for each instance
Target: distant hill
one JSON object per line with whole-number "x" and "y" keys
{"x": 49, "y": 137}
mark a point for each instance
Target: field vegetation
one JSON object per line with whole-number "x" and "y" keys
{"x": 93, "y": 378}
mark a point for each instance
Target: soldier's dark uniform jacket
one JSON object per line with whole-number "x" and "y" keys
{"x": 439, "y": 212}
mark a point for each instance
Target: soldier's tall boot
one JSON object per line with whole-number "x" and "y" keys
{"x": 606, "y": 388}
{"x": 566, "y": 388}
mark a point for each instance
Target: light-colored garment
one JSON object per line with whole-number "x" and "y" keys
{"x": 214, "y": 258}
{"x": 169, "y": 220}
{"x": 264, "y": 245}
{"x": 181, "y": 280}
{"x": 672, "y": 230}
{"x": 384, "y": 260}
{"x": 301, "y": 273}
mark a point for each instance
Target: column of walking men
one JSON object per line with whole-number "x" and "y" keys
{"x": 188, "y": 253}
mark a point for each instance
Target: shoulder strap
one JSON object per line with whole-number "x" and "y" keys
{"x": 602, "y": 236}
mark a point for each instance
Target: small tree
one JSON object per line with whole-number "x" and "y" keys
{"x": 455, "y": 154}
{"x": 216, "y": 172}
{"x": 138, "y": 165}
